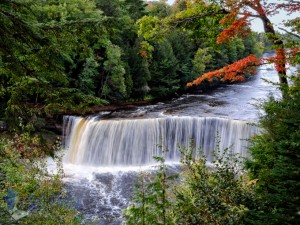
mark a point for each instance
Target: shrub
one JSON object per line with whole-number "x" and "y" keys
{"x": 29, "y": 194}
{"x": 201, "y": 194}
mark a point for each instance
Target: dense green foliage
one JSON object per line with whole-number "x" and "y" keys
{"x": 218, "y": 194}
{"x": 63, "y": 56}
{"x": 38, "y": 40}
{"x": 276, "y": 161}
{"x": 152, "y": 203}
{"x": 266, "y": 191}
{"x": 275, "y": 152}
{"x": 30, "y": 194}
{"x": 66, "y": 56}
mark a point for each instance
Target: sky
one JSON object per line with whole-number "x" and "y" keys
{"x": 277, "y": 20}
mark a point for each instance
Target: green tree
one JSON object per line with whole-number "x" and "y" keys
{"x": 164, "y": 79}
{"x": 113, "y": 77}
{"x": 201, "y": 59}
{"x": 87, "y": 77}
{"x": 33, "y": 61}
{"x": 253, "y": 45}
{"x": 184, "y": 50}
{"x": 139, "y": 70}
{"x": 217, "y": 195}
{"x": 135, "y": 8}
{"x": 275, "y": 161}
{"x": 159, "y": 9}
{"x": 151, "y": 203}
{"x": 122, "y": 32}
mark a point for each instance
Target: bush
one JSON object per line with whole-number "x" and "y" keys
{"x": 29, "y": 194}
{"x": 199, "y": 195}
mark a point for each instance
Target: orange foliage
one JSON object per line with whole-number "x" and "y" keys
{"x": 279, "y": 60}
{"x": 233, "y": 72}
{"x": 293, "y": 52}
{"x": 292, "y": 6}
{"x": 143, "y": 54}
{"x": 239, "y": 28}
{"x": 282, "y": 58}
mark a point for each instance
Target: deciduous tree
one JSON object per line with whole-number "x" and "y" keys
{"x": 234, "y": 17}
{"x": 238, "y": 19}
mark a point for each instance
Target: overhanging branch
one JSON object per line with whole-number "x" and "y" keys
{"x": 291, "y": 33}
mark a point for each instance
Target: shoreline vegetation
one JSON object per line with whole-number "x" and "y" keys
{"x": 71, "y": 56}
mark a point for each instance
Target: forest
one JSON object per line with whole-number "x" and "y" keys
{"x": 63, "y": 57}
{"x": 67, "y": 56}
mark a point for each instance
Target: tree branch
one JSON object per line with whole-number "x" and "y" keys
{"x": 295, "y": 35}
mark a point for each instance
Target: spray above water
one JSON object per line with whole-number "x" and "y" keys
{"x": 103, "y": 157}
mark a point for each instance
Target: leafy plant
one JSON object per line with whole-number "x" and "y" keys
{"x": 275, "y": 160}
{"x": 151, "y": 202}
{"x": 30, "y": 194}
{"x": 216, "y": 194}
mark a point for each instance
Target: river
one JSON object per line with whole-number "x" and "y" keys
{"x": 105, "y": 153}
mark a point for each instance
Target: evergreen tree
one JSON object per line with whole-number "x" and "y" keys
{"x": 197, "y": 195}
{"x": 159, "y": 9}
{"x": 164, "y": 79}
{"x": 135, "y": 8}
{"x": 275, "y": 161}
{"x": 139, "y": 70}
{"x": 152, "y": 203}
{"x": 184, "y": 50}
{"x": 113, "y": 82}
{"x": 33, "y": 61}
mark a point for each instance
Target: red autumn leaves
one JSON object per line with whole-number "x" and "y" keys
{"x": 238, "y": 26}
{"x": 233, "y": 72}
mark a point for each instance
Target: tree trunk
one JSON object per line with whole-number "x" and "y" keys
{"x": 280, "y": 53}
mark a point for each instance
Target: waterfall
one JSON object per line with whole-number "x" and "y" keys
{"x": 134, "y": 142}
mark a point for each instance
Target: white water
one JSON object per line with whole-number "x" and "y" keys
{"x": 134, "y": 142}
{"x": 104, "y": 156}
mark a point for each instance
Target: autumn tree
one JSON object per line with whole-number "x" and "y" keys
{"x": 238, "y": 19}
{"x": 232, "y": 18}
{"x": 200, "y": 20}
{"x": 238, "y": 26}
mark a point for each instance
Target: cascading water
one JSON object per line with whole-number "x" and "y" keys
{"x": 100, "y": 152}
{"x": 103, "y": 157}
{"x": 134, "y": 142}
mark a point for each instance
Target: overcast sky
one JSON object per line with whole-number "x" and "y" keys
{"x": 276, "y": 20}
